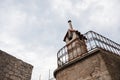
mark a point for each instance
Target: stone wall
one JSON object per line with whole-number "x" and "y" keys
{"x": 12, "y": 68}
{"x": 100, "y": 65}
{"x": 113, "y": 64}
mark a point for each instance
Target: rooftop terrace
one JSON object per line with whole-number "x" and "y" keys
{"x": 94, "y": 41}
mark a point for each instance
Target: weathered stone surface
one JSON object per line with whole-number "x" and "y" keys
{"x": 12, "y": 68}
{"x": 112, "y": 62}
{"x": 100, "y": 65}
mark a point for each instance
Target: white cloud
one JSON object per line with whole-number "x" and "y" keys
{"x": 33, "y": 30}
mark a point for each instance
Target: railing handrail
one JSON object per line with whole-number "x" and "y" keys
{"x": 94, "y": 40}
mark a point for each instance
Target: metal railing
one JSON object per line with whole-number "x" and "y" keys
{"x": 94, "y": 40}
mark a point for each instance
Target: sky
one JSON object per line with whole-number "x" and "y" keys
{"x": 33, "y": 30}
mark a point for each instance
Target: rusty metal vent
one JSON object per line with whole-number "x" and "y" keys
{"x": 94, "y": 41}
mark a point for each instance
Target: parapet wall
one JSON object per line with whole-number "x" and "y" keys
{"x": 12, "y": 68}
{"x": 97, "y": 65}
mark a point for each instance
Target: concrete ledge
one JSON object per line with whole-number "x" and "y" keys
{"x": 74, "y": 61}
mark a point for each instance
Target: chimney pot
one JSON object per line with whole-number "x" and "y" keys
{"x": 69, "y": 21}
{"x": 70, "y": 25}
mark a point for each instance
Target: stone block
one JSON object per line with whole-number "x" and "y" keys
{"x": 12, "y": 68}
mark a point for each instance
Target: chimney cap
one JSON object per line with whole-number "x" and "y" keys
{"x": 69, "y": 21}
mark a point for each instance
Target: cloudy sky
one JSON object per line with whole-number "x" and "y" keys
{"x": 33, "y": 30}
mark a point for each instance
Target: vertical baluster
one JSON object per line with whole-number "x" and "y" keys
{"x": 105, "y": 39}
{"x": 110, "y": 49}
{"x": 111, "y": 46}
{"x": 89, "y": 42}
{"x": 97, "y": 39}
{"x": 94, "y": 39}
{"x": 104, "y": 42}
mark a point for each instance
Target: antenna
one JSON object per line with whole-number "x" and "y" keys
{"x": 49, "y": 75}
{"x": 40, "y": 77}
{"x": 70, "y": 24}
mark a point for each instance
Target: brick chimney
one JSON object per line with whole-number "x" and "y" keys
{"x": 75, "y": 42}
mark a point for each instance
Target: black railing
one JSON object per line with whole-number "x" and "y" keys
{"x": 94, "y": 40}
